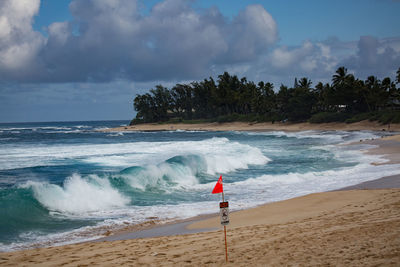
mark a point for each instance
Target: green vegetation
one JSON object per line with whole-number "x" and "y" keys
{"x": 228, "y": 99}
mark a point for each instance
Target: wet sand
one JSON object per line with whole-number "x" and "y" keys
{"x": 350, "y": 227}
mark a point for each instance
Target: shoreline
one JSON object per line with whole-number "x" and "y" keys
{"x": 265, "y": 126}
{"x": 388, "y": 147}
{"x": 311, "y": 207}
{"x": 356, "y": 227}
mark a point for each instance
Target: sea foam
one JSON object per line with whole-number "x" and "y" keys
{"x": 78, "y": 195}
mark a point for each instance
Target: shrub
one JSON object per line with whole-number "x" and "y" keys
{"x": 360, "y": 117}
{"x": 389, "y": 116}
{"x": 383, "y": 116}
{"x": 324, "y": 117}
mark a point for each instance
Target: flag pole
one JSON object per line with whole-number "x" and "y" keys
{"x": 218, "y": 188}
{"x": 226, "y": 244}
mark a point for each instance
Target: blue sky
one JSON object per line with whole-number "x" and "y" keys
{"x": 87, "y": 59}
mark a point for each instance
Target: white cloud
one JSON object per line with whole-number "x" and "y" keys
{"x": 283, "y": 57}
{"x": 60, "y": 32}
{"x": 19, "y": 44}
{"x": 5, "y": 27}
{"x": 111, "y": 40}
{"x": 253, "y": 32}
{"x": 114, "y": 40}
{"x": 374, "y": 57}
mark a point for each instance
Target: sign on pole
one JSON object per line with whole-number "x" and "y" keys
{"x": 224, "y": 212}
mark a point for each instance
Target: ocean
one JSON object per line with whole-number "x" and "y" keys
{"x": 67, "y": 182}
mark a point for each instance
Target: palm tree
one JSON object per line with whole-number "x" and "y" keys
{"x": 340, "y": 76}
{"x": 343, "y": 89}
{"x": 305, "y": 83}
{"x": 372, "y": 92}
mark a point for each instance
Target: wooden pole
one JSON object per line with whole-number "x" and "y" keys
{"x": 226, "y": 245}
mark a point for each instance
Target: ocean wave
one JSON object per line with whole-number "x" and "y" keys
{"x": 83, "y": 126}
{"x": 133, "y": 215}
{"x": 296, "y": 184}
{"x": 78, "y": 195}
{"x": 116, "y": 134}
{"x": 8, "y": 138}
{"x": 176, "y": 172}
{"x": 330, "y": 137}
{"x": 164, "y": 177}
{"x": 68, "y": 132}
{"x": 82, "y": 195}
{"x": 185, "y": 171}
{"x": 101, "y": 128}
{"x": 187, "y": 131}
{"x": 35, "y": 128}
{"x": 221, "y": 154}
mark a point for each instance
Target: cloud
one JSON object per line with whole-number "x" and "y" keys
{"x": 375, "y": 57}
{"x": 282, "y": 57}
{"x": 252, "y": 33}
{"x": 19, "y": 44}
{"x": 319, "y": 60}
{"x": 112, "y": 39}
{"x": 316, "y": 60}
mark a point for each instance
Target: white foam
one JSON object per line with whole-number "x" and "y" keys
{"x": 232, "y": 157}
{"x": 330, "y": 137}
{"x": 82, "y": 126}
{"x": 284, "y": 186}
{"x": 131, "y": 215}
{"x": 35, "y": 128}
{"x": 186, "y": 131}
{"x": 222, "y": 155}
{"x": 243, "y": 194}
{"x": 78, "y": 195}
{"x": 116, "y": 134}
{"x": 212, "y": 156}
{"x": 179, "y": 176}
{"x": 67, "y": 132}
{"x": 101, "y": 128}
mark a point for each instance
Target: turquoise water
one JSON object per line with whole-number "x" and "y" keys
{"x": 65, "y": 182}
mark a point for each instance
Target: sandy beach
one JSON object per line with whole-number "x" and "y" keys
{"x": 345, "y": 227}
{"x": 245, "y": 126}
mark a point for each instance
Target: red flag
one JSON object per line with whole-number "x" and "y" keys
{"x": 218, "y": 187}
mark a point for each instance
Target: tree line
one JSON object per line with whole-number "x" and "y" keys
{"x": 229, "y": 98}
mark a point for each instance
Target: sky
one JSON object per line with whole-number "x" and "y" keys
{"x": 76, "y": 60}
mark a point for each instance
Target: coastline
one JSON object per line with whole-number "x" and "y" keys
{"x": 388, "y": 147}
{"x": 357, "y": 228}
{"x": 350, "y": 218}
{"x": 266, "y": 126}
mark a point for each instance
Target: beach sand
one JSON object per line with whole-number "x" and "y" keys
{"x": 267, "y": 126}
{"x": 355, "y": 228}
{"x": 346, "y": 227}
